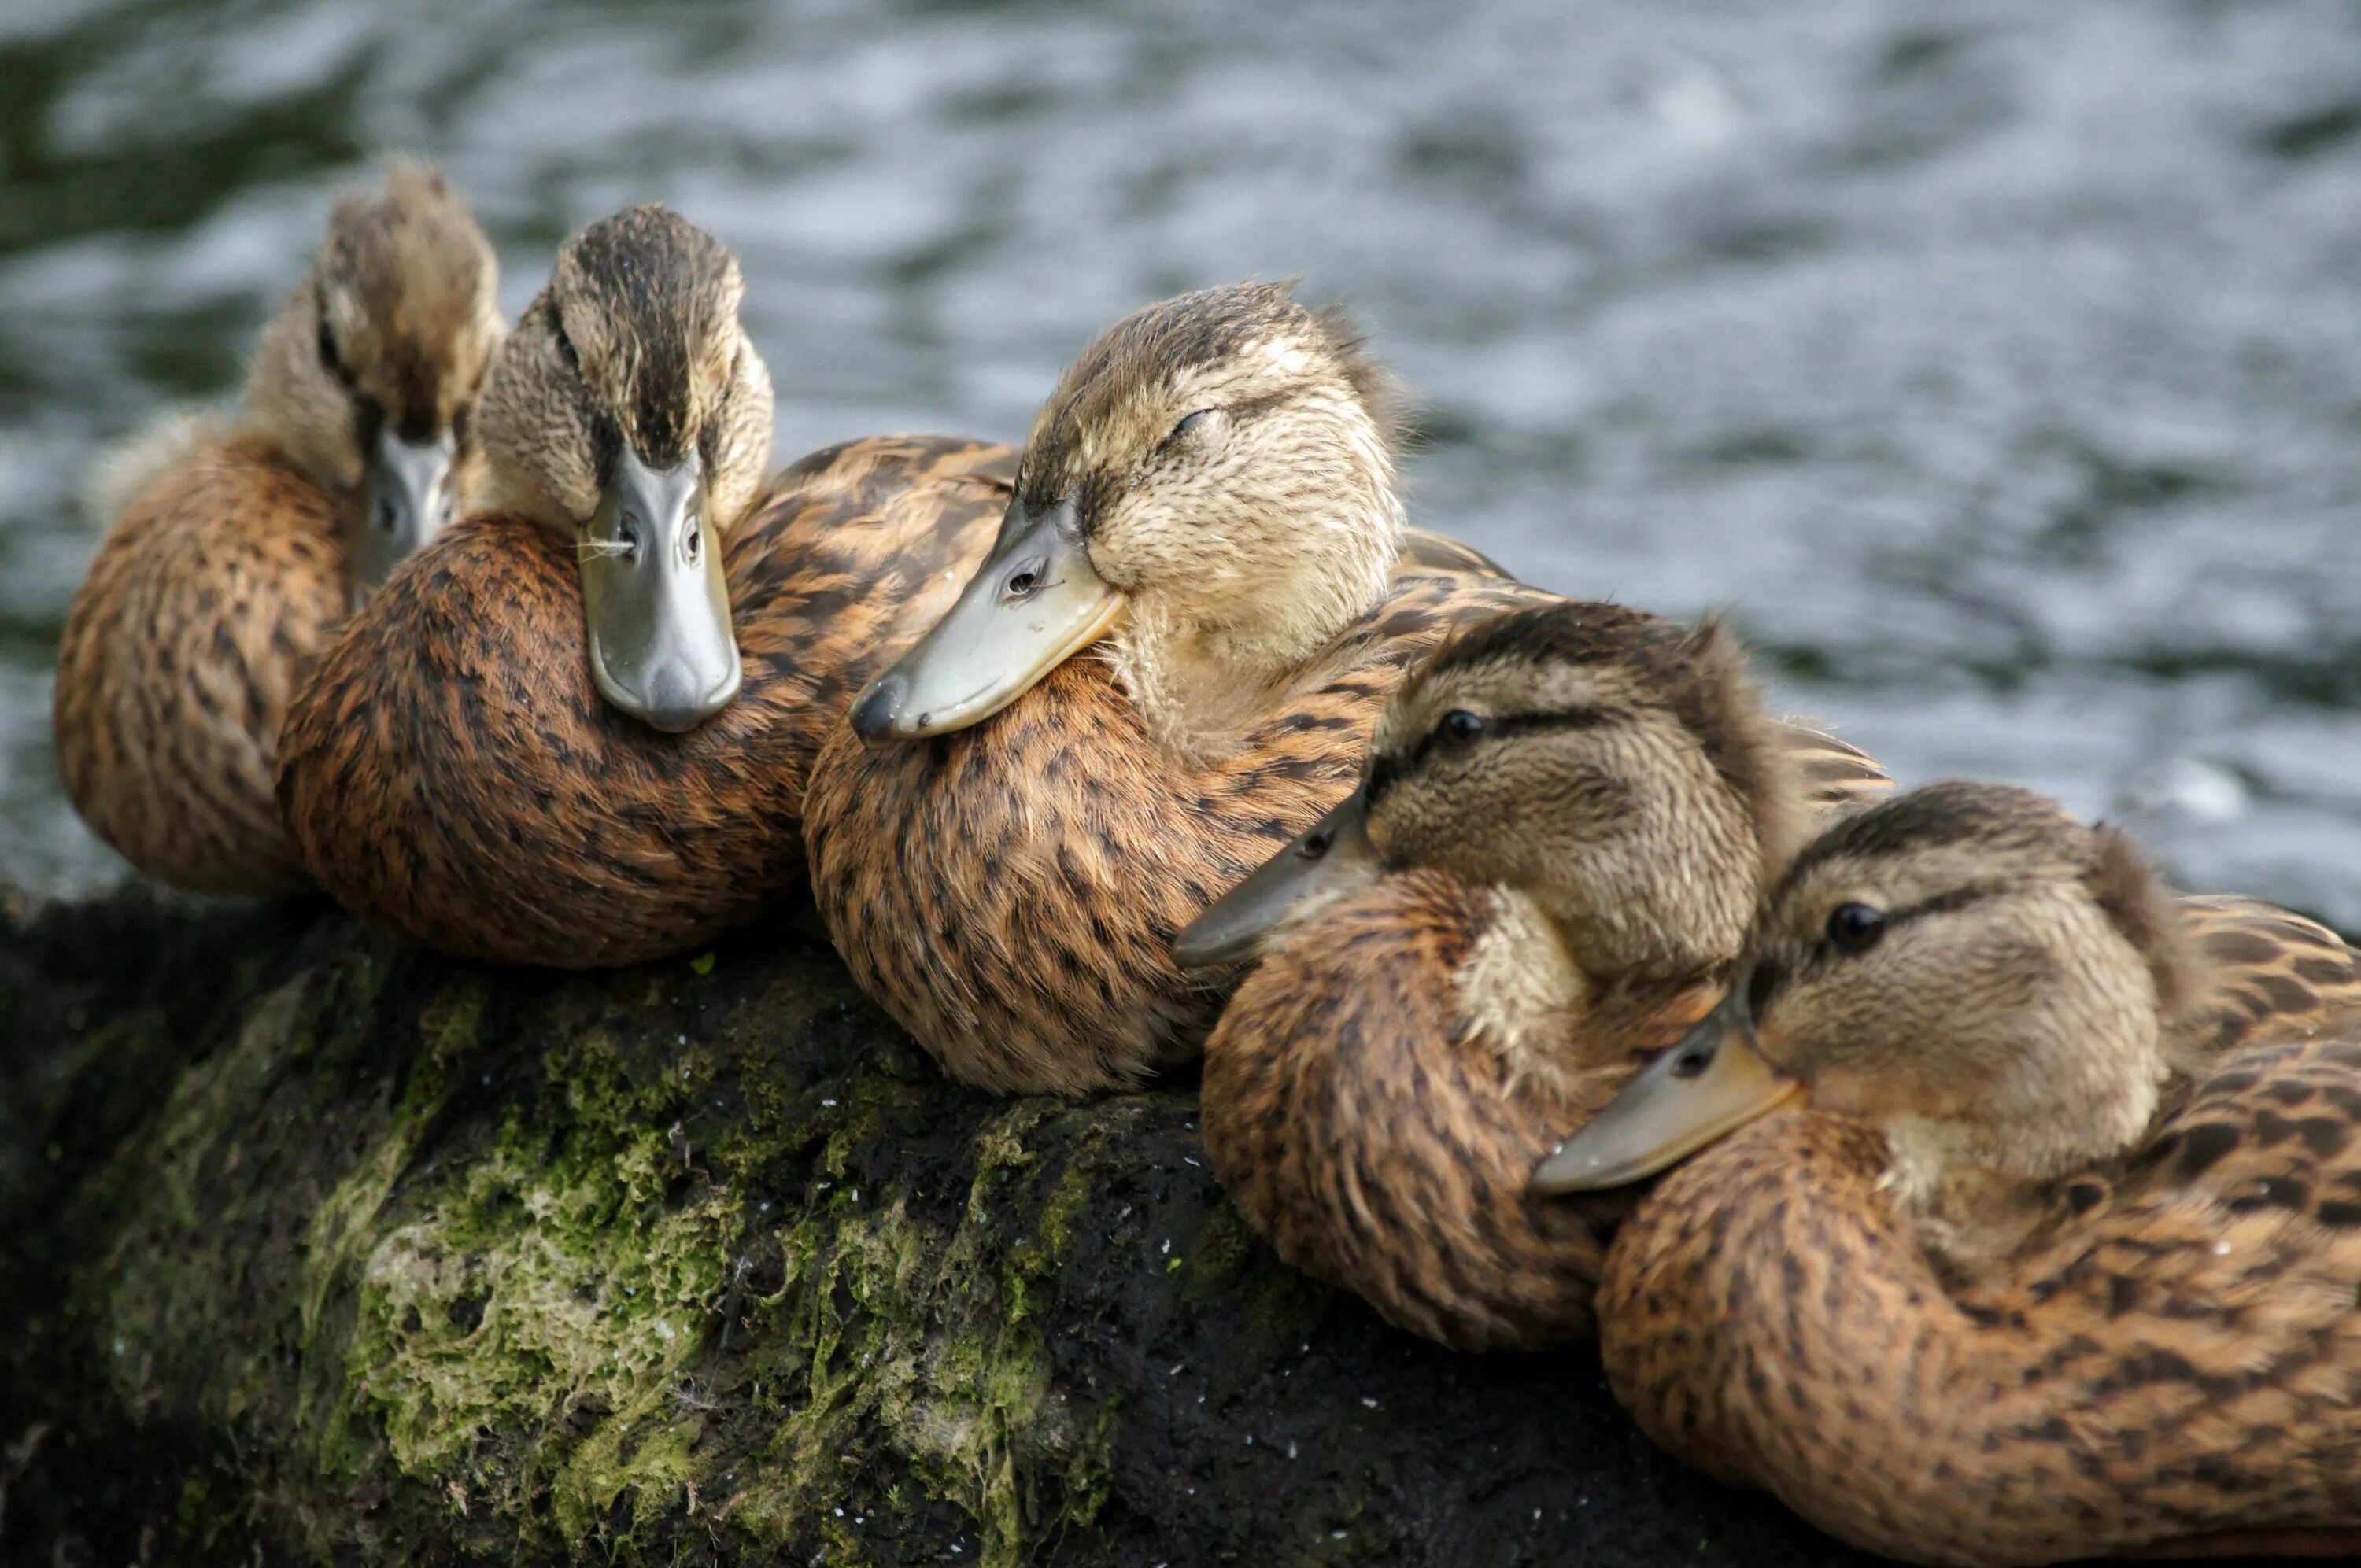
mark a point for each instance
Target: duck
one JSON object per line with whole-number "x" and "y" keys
{"x": 2012, "y": 1205}
{"x": 238, "y": 545}
{"x": 1564, "y": 819}
{"x": 575, "y": 731}
{"x": 1199, "y": 597}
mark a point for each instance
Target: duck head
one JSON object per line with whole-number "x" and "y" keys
{"x": 1970, "y": 970}
{"x": 1614, "y": 768}
{"x": 1210, "y": 491}
{"x": 369, "y": 374}
{"x": 630, "y": 414}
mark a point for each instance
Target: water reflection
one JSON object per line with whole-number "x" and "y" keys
{"x": 2000, "y": 367}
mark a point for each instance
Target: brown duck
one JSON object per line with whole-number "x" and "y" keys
{"x": 1566, "y": 820}
{"x": 239, "y": 545}
{"x": 1968, "y": 1301}
{"x": 1200, "y": 598}
{"x": 576, "y": 730}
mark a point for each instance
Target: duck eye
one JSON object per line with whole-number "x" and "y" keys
{"x": 328, "y": 355}
{"x": 1855, "y": 927}
{"x": 565, "y": 349}
{"x": 1460, "y": 725}
{"x": 1188, "y": 425}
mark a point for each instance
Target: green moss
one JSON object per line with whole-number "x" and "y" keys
{"x": 557, "y": 1281}
{"x": 503, "y": 1311}
{"x": 892, "y": 1333}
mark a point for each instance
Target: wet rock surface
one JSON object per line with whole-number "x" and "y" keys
{"x": 322, "y": 1245}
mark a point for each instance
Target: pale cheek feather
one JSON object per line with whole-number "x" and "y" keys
{"x": 1522, "y": 994}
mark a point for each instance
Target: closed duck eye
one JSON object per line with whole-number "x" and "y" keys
{"x": 1188, "y": 425}
{"x": 332, "y": 357}
{"x": 1855, "y": 927}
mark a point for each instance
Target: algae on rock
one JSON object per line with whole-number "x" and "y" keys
{"x": 331, "y": 1249}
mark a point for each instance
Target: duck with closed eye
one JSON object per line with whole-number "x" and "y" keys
{"x": 2021, "y": 1215}
{"x": 576, "y": 731}
{"x": 1199, "y": 597}
{"x": 1566, "y": 819}
{"x": 238, "y": 546}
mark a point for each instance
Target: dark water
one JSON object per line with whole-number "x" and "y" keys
{"x": 1998, "y": 365}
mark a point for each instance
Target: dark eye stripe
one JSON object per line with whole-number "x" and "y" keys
{"x": 1824, "y": 957}
{"x": 1540, "y": 723}
{"x": 1385, "y": 771}
{"x": 1944, "y": 902}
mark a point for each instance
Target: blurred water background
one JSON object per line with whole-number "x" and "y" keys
{"x": 1997, "y": 365}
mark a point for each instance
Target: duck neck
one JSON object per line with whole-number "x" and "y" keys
{"x": 1522, "y": 994}
{"x": 1205, "y": 663}
{"x": 1972, "y": 1211}
{"x": 2082, "y": 1088}
{"x": 514, "y": 489}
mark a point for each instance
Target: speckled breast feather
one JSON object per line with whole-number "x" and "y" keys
{"x": 453, "y": 772}
{"x": 1010, "y": 893}
{"x": 221, "y": 581}
{"x": 2175, "y": 1360}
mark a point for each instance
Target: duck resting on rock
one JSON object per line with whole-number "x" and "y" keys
{"x": 240, "y": 545}
{"x": 2022, "y": 1215}
{"x": 1565, "y": 822}
{"x": 576, "y": 731}
{"x": 1200, "y": 598}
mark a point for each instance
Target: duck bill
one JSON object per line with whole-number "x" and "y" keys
{"x": 405, "y": 500}
{"x": 1034, "y": 604}
{"x": 655, "y": 602}
{"x": 1328, "y": 861}
{"x": 1713, "y": 1083}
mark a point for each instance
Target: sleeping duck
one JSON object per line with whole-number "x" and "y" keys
{"x": 1563, "y": 823}
{"x": 239, "y": 545}
{"x": 1200, "y": 598}
{"x": 2021, "y": 1220}
{"x": 576, "y": 730}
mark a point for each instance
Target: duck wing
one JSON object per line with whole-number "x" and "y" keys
{"x": 1837, "y": 775}
{"x": 2270, "y": 975}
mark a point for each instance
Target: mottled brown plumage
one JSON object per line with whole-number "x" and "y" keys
{"x": 452, "y": 772}
{"x": 1010, "y": 893}
{"x": 2169, "y": 1354}
{"x": 226, "y": 569}
{"x": 1220, "y": 468}
{"x": 1560, "y": 898}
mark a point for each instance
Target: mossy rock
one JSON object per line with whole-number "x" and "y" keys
{"x": 316, "y": 1246}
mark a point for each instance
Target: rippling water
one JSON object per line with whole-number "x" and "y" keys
{"x": 1998, "y": 365}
